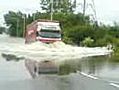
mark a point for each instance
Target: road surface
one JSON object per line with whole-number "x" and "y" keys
{"x": 71, "y": 82}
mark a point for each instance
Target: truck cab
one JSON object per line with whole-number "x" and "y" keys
{"x": 45, "y": 31}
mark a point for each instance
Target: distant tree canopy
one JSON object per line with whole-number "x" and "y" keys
{"x": 15, "y": 22}
{"x": 64, "y": 6}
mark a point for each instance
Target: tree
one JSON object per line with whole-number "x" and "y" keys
{"x": 65, "y": 6}
{"x": 15, "y": 22}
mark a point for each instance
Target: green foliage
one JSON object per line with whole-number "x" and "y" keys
{"x": 65, "y": 6}
{"x": 15, "y": 21}
{"x": 67, "y": 40}
{"x": 78, "y": 33}
{"x": 88, "y": 42}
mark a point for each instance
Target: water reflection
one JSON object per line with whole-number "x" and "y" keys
{"x": 12, "y": 70}
{"x": 14, "y": 75}
{"x": 10, "y": 57}
{"x": 102, "y": 66}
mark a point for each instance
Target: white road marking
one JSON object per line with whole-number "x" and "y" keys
{"x": 115, "y": 85}
{"x": 88, "y": 75}
{"x": 114, "y": 82}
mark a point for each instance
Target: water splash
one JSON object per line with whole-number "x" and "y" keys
{"x": 57, "y": 51}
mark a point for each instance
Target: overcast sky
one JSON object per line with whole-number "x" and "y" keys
{"x": 107, "y": 10}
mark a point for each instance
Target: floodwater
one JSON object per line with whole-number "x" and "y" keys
{"x": 14, "y": 76}
{"x": 99, "y": 66}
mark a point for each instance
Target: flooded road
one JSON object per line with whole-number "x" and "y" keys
{"x": 12, "y": 70}
{"x": 100, "y": 66}
{"x": 13, "y": 74}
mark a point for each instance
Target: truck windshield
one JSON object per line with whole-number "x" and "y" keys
{"x": 50, "y": 34}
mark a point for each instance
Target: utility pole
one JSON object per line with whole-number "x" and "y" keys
{"x": 34, "y": 17}
{"x": 17, "y": 27}
{"x": 84, "y": 7}
{"x": 24, "y": 26}
{"x": 51, "y": 17}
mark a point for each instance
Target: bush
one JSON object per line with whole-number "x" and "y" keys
{"x": 88, "y": 42}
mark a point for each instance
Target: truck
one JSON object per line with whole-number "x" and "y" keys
{"x": 46, "y": 31}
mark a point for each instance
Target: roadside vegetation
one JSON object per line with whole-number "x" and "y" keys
{"x": 77, "y": 29}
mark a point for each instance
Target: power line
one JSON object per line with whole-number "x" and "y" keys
{"x": 51, "y": 17}
{"x": 93, "y": 8}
